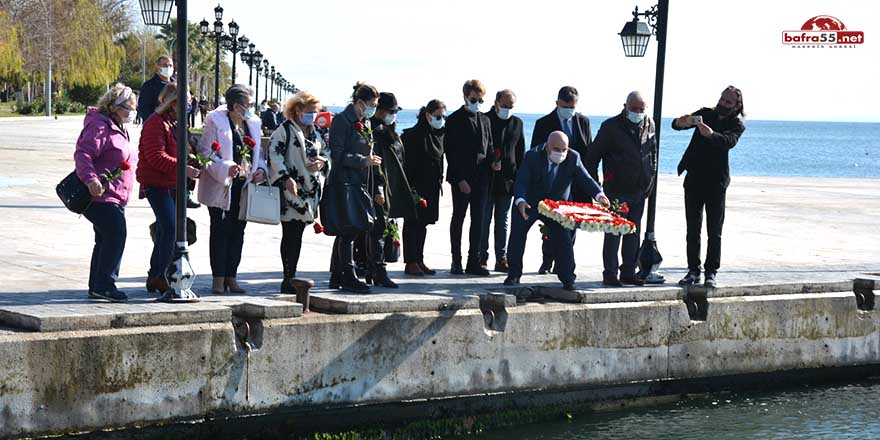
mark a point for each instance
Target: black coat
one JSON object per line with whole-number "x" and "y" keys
{"x": 467, "y": 142}
{"x": 271, "y": 120}
{"x": 149, "y": 97}
{"x": 706, "y": 159}
{"x": 391, "y": 176}
{"x": 512, "y": 145}
{"x": 581, "y": 138}
{"x": 627, "y": 153}
{"x": 424, "y": 166}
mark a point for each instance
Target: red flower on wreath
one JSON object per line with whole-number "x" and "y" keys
{"x": 624, "y": 209}
{"x": 215, "y": 146}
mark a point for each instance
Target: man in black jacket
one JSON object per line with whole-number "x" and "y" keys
{"x": 506, "y": 155}
{"x": 468, "y": 139}
{"x": 708, "y": 176}
{"x": 577, "y": 127}
{"x": 150, "y": 90}
{"x": 272, "y": 117}
{"x": 626, "y": 147}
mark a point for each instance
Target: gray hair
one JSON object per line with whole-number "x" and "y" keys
{"x": 238, "y": 94}
{"x": 501, "y": 94}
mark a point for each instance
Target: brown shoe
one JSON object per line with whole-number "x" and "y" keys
{"x": 218, "y": 285}
{"x": 425, "y": 269}
{"x": 157, "y": 284}
{"x": 484, "y": 263}
{"x": 413, "y": 269}
{"x": 232, "y": 285}
{"x": 502, "y": 265}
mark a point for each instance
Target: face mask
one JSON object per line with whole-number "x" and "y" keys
{"x": 130, "y": 119}
{"x": 504, "y": 113}
{"x": 308, "y": 119}
{"x": 635, "y": 118}
{"x": 437, "y": 123}
{"x": 565, "y": 113}
{"x": 472, "y": 107}
{"x": 248, "y": 114}
{"x": 166, "y": 71}
{"x": 557, "y": 157}
{"x": 264, "y": 107}
{"x": 389, "y": 119}
{"x": 369, "y": 111}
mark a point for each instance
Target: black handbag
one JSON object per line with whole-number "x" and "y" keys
{"x": 190, "y": 231}
{"x": 73, "y": 193}
{"x": 346, "y": 208}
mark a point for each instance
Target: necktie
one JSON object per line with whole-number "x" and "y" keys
{"x": 567, "y": 127}
{"x": 551, "y": 174}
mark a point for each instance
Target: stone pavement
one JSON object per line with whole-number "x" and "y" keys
{"x": 777, "y": 230}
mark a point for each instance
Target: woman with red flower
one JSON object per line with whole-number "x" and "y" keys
{"x": 220, "y": 185}
{"x": 103, "y": 151}
{"x": 343, "y": 208}
{"x": 157, "y": 175}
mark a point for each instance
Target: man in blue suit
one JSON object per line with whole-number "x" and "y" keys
{"x": 548, "y": 172}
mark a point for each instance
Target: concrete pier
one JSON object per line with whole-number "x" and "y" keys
{"x": 785, "y": 302}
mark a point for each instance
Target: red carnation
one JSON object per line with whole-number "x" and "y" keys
{"x": 423, "y": 203}
{"x": 624, "y": 209}
{"x": 318, "y": 228}
{"x": 215, "y": 146}
{"x": 358, "y": 125}
{"x": 249, "y": 141}
{"x": 498, "y": 152}
{"x": 397, "y": 243}
{"x": 125, "y": 166}
{"x": 545, "y": 237}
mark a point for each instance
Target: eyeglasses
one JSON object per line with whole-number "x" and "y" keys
{"x": 474, "y": 100}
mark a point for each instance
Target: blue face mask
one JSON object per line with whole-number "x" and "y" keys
{"x": 308, "y": 119}
{"x": 565, "y": 113}
{"x": 248, "y": 114}
{"x": 369, "y": 111}
{"x": 438, "y": 122}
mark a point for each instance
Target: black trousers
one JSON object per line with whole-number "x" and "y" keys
{"x": 414, "y": 235}
{"x": 341, "y": 259}
{"x": 375, "y": 239}
{"x": 630, "y": 249}
{"x": 712, "y": 199}
{"x": 476, "y": 201}
{"x": 227, "y": 235}
{"x": 291, "y": 245}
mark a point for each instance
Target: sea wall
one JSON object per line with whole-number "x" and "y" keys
{"x": 64, "y": 382}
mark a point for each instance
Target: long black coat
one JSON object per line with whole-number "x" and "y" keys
{"x": 467, "y": 141}
{"x": 626, "y": 151}
{"x": 423, "y": 147}
{"x": 581, "y": 138}
{"x": 399, "y": 200}
{"x": 512, "y": 145}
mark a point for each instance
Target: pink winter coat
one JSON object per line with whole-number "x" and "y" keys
{"x": 101, "y": 149}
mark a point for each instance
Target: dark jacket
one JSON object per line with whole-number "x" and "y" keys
{"x": 349, "y": 151}
{"x": 627, "y": 153}
{"x": 149, "y": 97}
{"x": 424, "y": 166}
{"x": 582, "y": 138}
{"x": 532, "y": 178}
{"x": 390, "y": 176}
{"x": 706, "y": 159}
{"x": 512, "y": 145}
{"x": 271, "y": 120}
{"x": 467, "y": 141}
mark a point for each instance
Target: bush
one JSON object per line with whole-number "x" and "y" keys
{"x": 76, "y": 107}
{"x": 37, "y": 106}
{"x": 86, "y": 95}
{"x": 61, "y": 106}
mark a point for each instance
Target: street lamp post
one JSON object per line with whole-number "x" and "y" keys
{"x": 272, "y": 78}
{"x": 248, "y": 58}
{"x": 266, "y": 78}
{"x": 635, "y": 37}
{"x": 218, "y": 37}
{"x": 179, "y": 273}
{"x": 232, "y": 44}
{"x": 258, "y": 63}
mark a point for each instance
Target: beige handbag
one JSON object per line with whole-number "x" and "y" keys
{"x": 260, "y": 203}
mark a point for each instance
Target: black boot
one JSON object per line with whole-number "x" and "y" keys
{"x": 286, "y": 288}
{"x": 475, "y": 268}
{"x": 456, "y": 268}
{"x": 352, "y": 284}
{"x": 335, "y": 280}
{"x": 381, "y": 279}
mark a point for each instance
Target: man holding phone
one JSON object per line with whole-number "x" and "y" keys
{"x": 718, "y": 130}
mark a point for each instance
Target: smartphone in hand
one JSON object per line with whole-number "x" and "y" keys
{"x": 695, "y": 120}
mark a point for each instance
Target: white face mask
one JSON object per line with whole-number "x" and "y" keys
{"x": 473, "y": 107}
{"x": 437, "y": 123}
{"x": 130, "y": 119}
{"x": 166, "y": 71}
{"x": 389, "y": 119}
{"x": 504, "y": 113}
{"x": 369, "y": 111}
{"x": 565, "y": 113}
{"x": 557, "y": 157}
{"x": 635, "y": 118}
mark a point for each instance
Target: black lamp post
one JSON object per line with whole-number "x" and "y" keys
{"x": 272, "y": 78}
{"x": 232, "y": 44}
{"x": 266, "y": 77}
{"x": 179, "y": 273}
{"x": 258, "y": 64}
{"x": 635, "y": 37}
{"x": 218, "y": 37}
{"x": 247, "y": 57}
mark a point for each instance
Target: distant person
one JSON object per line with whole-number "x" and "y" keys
{"x": 298, "y": 165}
{"x": 151, "y": 89}
{"x": 467, "y": 142}
{"x": 221, "y": 183}
{"x": 548, "y": 172}
{"x": 423, "y": 144}
{"x": 394, "y": 191}
{"x": 157, "y": 175}
{"x": 191, "y": 109}
{"x": 353, "y": 160}
{"x": 204, "y": 106}
{"x": 507, "y": 139}
{"x": 577, "y": 127}
{"x": 708, "y": 176}
{"x": 104, "y": 145}
{"x": 272, "y": 118}
{"x": 626, "y": 146}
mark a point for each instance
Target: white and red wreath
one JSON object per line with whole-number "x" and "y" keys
{"x": 584, "y": 216}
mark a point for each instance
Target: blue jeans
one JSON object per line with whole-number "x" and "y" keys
{"x": 163, "y": 204}
{"x": 108, "y": 220}
{"x": 500, "y": 206}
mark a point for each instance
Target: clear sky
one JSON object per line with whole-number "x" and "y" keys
{"x": 426, "y": 49}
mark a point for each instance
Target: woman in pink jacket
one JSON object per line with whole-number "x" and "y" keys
{"x": 105, "y": 163}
